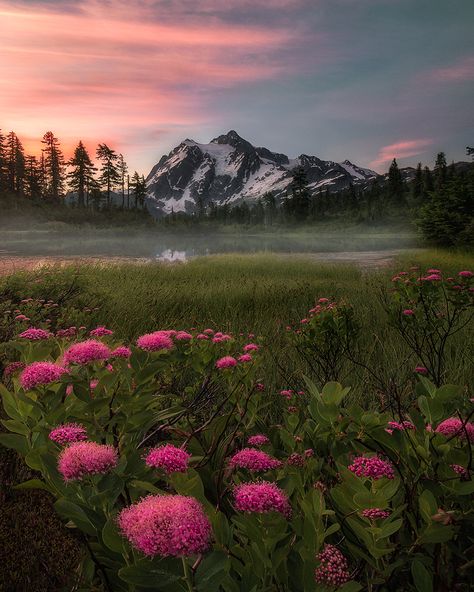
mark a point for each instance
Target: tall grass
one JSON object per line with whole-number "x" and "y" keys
{"x": 259, "y": 294}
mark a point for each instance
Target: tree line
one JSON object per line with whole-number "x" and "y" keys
{"x": 52, "y": 178}
{"x": 440, "y": 201}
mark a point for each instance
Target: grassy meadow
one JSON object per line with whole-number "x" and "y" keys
{"x": 260, "y": 294}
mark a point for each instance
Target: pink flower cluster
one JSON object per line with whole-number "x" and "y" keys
{"x": 169, "y": 458}
{"x": 86, "y": 458}
{"x": 121, "y": 352}
{"x": 69, "y": 332}
{"x": 372, "y": 467}
{"x": 221, "y": 337}
{"x": 226, "y": 362}
{"x": 253, "y": 460}
{"x": 456, "y": 427}
{"x": 166, "y": 525}
{"x": 86, "y": 352}
{"x": 258, "y": 440}
{"x": 296, "y": 460}
{"x": 34, "y": 334}
{"x": 40, "y": 374}
{"x": 395, "y": 425}
{"x": 466, "y": 274}
{"x": 67, "y": 433}
{"x": 375, "y": 513}
{"x": 13, "y": 367}
{"x": 261, "y": 497}
{"x": 245, "y": 358}
{"x": 460, "y": 470}
{"x": 183, "y": 336}
{"x": 333, "y": 569}
{"x": 286, "y": 394}
{"x": 100, "y": 331}
{"x": 251, "y": 347}
{"x": 155, "y": 341}
{"x": 421, "y": 370}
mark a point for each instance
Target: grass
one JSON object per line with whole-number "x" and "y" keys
{"x": 261, "y": 294}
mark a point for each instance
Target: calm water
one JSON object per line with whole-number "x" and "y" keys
{"x": 364, "y": 248}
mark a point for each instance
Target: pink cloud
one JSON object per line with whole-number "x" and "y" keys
{"x": 401, "y": 149}
{"x": 461, "y": 70}
{"x": 108, "y": 70}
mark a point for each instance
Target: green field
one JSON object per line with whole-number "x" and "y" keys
{"x": 260, "y": 294}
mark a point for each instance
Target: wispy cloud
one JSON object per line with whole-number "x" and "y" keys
{"x": 401, "y": 149}
{"x": 462, "y": 69}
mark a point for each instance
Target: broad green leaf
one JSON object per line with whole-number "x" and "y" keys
{"x": 16, "y": 442}
{"x": 422, "y": 578}
{"x": 111, "y": 536}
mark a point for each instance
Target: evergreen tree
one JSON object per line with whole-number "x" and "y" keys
{"x": 122, "y": 169}
{"x": 3, "y": 165}
{"x": 396, "y": 186}
{"x": 440, "y": 170}
{"x": 417, "y": 188}
{"x": 82, "y": 175}
{"x": 109, "y": 174}
{"x": 270, "y": 208}
{"x": 300, "y": 196}
{"x": 138, "y": 187}
{"x": 428, "y": 184}
{"x": 33, "y": 188}
{"x": 53, "y": 167}
{"x": 15, "y": 164}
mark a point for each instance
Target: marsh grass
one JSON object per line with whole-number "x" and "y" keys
{"x": 259, "y": 294}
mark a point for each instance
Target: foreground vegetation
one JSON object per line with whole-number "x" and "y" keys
{"x": 416, "y": 533}
{"x": 182, "y": 467}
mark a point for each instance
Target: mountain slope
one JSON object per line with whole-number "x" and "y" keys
{"x": 230, "y": 169}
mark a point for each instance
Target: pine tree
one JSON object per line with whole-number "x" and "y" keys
{"x": 300, "y": 195}
{"x": 138, "y": 187}
{"x": 122, "y": 170}
{"x": 396, "y": 186}
{"x": 109, "y": 175}
{"x": 417, "y": 188}
{"x": 270, "y": 208}
{"x": 53, "y": 167}
{"x": 82, "y": 175}
{"x": 440, "y": 170}
{"x": 15, "y": 164}
{"x": 33, "y": 188}
{"x": 3, "y": 165}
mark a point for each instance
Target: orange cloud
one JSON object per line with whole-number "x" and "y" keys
{"x": 401, "y": 149}
{"x": 106, "y": 69}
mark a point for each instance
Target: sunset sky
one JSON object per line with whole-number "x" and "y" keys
{"x": 360, "y": 79}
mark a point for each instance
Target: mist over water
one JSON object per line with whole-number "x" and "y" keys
{"x": 368, "y": 247}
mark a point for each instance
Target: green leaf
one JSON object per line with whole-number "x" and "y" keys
{"x": 71, "y": 511}
{"x": 111, "y": 536}
{"x": 350, "y": 587}
{"x": 33, "y": 484}
{"x": 17, "y": 427}
{"x": 422, "y": 578}
{"x": 437, "y": 533}
{"x": 211, "y": 571}
{"x": 16, "y": 442}
{"x": 428, "y": 505}
{"x": 149, "y": 574}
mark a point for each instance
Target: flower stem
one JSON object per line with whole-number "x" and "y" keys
{"x": 187, "y": 574}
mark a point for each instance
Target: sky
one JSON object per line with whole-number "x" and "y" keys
{"x": 367, "y": 80}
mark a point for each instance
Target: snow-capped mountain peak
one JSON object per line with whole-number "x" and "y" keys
{"x": 231, "y": 169}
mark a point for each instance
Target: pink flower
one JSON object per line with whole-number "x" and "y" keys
{"x": 21, "y": 317}
{"x": 258, "y": 440}
{"x": 395, "y": 425}
{"x": 309, "y": 453}
{"x": 169, "y": 458}
{"x": 41, "y": 373}
{"x": 465, "y": 274}
{"x": 208, "y": 331}
{"x": 12, "y": 368}
{"x": 375, "y": 513}
{"x": 262, "y": 498}
{"x": 202, "y": 336}
{"x": 183, "y": 336}
{"x": 69, "y": 332}
{"x": 226, "y": 362}
{"x": 372, "y": 467}
{"x": 220, "y": 338}
{"x": 408, "y": 312}
{"x": 155, "y": 341}
{"x": 251, "y": 347}
{"x": 67, "y": 433}
{"x": 166, "y": 525}
{"x": 85, "y": 352}
{"x": 86, "y": 458}
{"x": 287, "y": 394}
{"x": 35, "y": 334}
{"x": 245, "y": 358}
{"x": 456, "y": 427}
{"x": 304, "y": 321}
{"x": 253, "y": 460}
{"x": 435, "y": 271}
{"x": 296, "y": 460}
{"x": 100, "y": 331}
{"x": 460, "y": 470}
{"x": 323, "y": 300}
{"x": 434, "y": 277}
{"x": 121, "y": 352}
{"x": 260, "y": 386}
{"x": 421, "y": 370}
{"x": 333, "y": 569}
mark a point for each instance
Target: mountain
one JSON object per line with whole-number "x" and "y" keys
{"x": 229, "y": 169}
